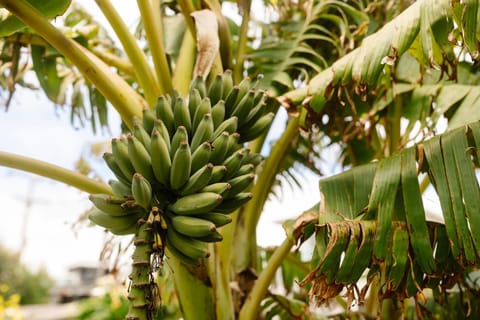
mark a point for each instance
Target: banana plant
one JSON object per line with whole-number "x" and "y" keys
{"x": 373, "y": 79}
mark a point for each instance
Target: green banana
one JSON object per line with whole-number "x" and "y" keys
{"x": 212, "y": 237}
{"x": 181, "y": 166}
{"x": 230, "y": 101}
{"x": 179, "y": 136}
{"x": 227, "y": 83}
{"x": 192, "y": 248}
{"x": 111, "y": 205}
{"x": 113, "y": 165}
{"x": 140, "y": 158}
{"x": 240, "y": 183}
{"x": 203, "y": 108}
{"x": 233, "y": 163}
{"x": 253, "y": 158}
{"x": 230, "y": 125}
{"x": 163, "y": 131}
{"x": 181, "y": 115}
{"x": 192, "y": 226}
{"x": 220, "y": 188}
{"x": 245, "y": 168}
{"x": 148, "y": 119}
{"x": 215, "y": 90}
{"x": 165, "y": 113}
{"x": 141, "y": 134}
{"x": 218, "y": 219}
{"x": 255, "y": 113}
{"x": 230, "y": 205}
{"x": 233, "y": 144}
{"x": 220, "y": 148}
{"x": 141, "y": 191}
{"x": 242, "y": 109}
{"x": 120, "y": 189}
{"x": 218, "y": 113}
{"x": 108, "y": 221}
{"x": 204, "y": 131}
{"x": 177, "y": 253}
{"x": 199, "y": 84}
{"x": 132, "y": 229}
{"x": 243, "y": 87}
{"x": 194, "y": 100}
{"x": 161, "y": 161}
{"x": 201, "y": 156}
{"x": 257, "y": 129}
{"x": 120, "y": 151}
{"x": 198, "y": 180}
{"x": 196, "y": 203}
{"x": 218, "y": 173}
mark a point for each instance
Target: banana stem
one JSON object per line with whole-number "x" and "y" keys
{"x": 184, "y": 70}
{"x": 242, "y": 43}
{"x": 151, "y": 23}
{"x": 127, "y": 102}
{"x": 141, "y": 295}
{"x": 112, "y": 60}
{"x": 145, "y": 76}
{"x": 54, "y": 172}
{"x": 255, "y": 297}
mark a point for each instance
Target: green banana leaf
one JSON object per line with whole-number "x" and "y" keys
{"x": 372, "y": 219}
{"x": 49, "y": 8}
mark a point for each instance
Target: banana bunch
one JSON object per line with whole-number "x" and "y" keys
{"x": 184, "y": 167}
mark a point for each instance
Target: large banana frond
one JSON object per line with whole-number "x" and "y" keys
{"x": 372, "y": 218}
{"x": 305, "y": 40}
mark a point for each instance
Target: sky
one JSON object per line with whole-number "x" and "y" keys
{"x": 39, "y": 214}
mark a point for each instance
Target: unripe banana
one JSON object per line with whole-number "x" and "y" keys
{"x": 163, "y": 131}
{"x": 230, "y": 101}
{"x": 233, "y": 163}
{"x": 233, "y": 144}
{"x": 245, "y": 168}
{"x": 218, "y": 219}
{"x": 161, "y": 161}
{"x": 141, "y": 135}
{"x": 113, "y": 165}
{"x": 140, "y": 158}
{"x": 181, "y": 166}
{"x": 258, "y": 128}
{"x": 218, "y": 173}
{"x": 142, "y": 191}
{"x": 220, "y": 188}
{"x": 243, "y": 87}
{"x": 110, "y": 222}
{"x": 227, "y": 82}
{"x": 253, "y": 158}
{"x": 181, "y": 115}
{"x": 192, "y": 226}
{"x": 203, "y": 108}
{"x": 215, "y": 91}
{"x": 179, "y": 136}
{"x": 111, "y": 205}
{"x": 177, "y": 253}
{"x": 244, "y": 106}
{"x": 212, "y": 237}
{"x": 230, "y": 125}
{"x": 194, "y": 100}
{"x": 220, "y": 148}
{"x": 148, "y": 119}
{"x": 165, "y": 113}
{"x": 125, "y": 231}
{"x": 196, "y": 203}
{"x": 256, "y": 112}
{"x": 192, "y": 248}
{"x": 120, "y": 151}
{"x": 198, "y": 180}
{"x": 201, "y": 156}
{"x": 240, "y": 183}
{"x": 218, "y": 113}
{"x": 199, "y": 84}
{"x": 120, "y": 189}
{"x": 230, "y": 205}
{"x": 204, "y": 131}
